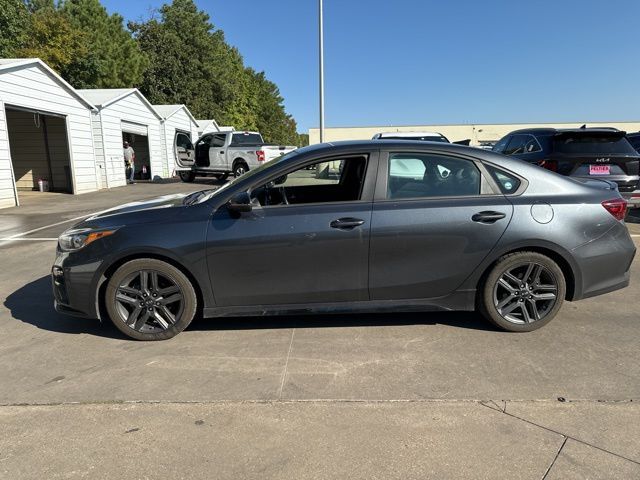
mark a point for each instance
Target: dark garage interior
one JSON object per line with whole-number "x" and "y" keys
{"x": 39, "y": 150}
{"x": 140, "y": 145}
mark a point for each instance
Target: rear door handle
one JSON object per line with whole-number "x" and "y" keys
{"x": 488, "y": 216}
{"x": 347, "y": 223}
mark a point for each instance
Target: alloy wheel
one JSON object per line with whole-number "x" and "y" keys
{"x": 149, "y": 301}
{"x": 525, "y": 293}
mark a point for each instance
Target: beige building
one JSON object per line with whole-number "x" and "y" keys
{"x": 477, "y": 133}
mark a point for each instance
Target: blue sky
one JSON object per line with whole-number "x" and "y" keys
{"x": 404, "y": 62}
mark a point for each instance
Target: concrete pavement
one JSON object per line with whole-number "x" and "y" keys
{"x": 364, "y": 396}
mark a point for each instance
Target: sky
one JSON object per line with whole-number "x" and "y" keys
{"x": 421, "y": 62}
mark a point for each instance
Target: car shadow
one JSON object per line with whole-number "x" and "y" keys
{"x": 33, "y": 304}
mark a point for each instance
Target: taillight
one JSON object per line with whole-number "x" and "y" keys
{"x": 616, "y": 207}
{"x": 260, "y": 155}
{"x": 549, "y": 165}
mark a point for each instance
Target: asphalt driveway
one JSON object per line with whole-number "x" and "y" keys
{"x": 361, "y": 396}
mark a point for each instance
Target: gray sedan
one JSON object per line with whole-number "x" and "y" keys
{"x": 372, "y": 226}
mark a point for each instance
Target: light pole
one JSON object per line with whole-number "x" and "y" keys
{"x": 321, "y": 39}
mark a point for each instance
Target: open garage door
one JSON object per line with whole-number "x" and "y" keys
{"x": 137, "y": 136}
{"x": 39, "y": 150}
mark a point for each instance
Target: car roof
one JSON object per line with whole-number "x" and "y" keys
{"x": 552, "y": 131}
{"x": 409, "y": 134}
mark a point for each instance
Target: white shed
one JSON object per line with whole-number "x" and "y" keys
{"x": 207, "y": 126}
{"x": 176, "y": 119}
{"x": 45, "y": 132}
{"x": 124, "y": 114}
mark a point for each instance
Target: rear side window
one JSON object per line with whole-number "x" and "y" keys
{"x": 520, "y": 144}
{"x": 592, "y": 144}
{"x": 218, "y": 141}
{"x": 635, "y": 142}
{"x": 507, "y": 182}
{"x": 416, "y": 175}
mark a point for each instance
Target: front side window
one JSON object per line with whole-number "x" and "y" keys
{"x": 501, "y": 144}
{"x": 217, "y": 140}
{"x": 339, "y": 180}
{"x": 415, "y": 175}
{"x": 183, "y": 141}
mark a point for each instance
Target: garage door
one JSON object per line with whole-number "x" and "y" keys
{"x": 135, "y": 128}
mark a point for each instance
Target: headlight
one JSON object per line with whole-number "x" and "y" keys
{"x": 73, "y": 240}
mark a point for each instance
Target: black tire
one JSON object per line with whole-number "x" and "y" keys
{"x": 187, "y": 177}
{"x": 239, "y": 168}
{"x": 167, "y": 306}
{"x": 221, "y": 176}
{"x": 518, "y": 304}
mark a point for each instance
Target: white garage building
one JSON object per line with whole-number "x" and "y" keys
{"x": 124, "y": 114}
{"x": 176, "y": 118}
{"x": 45, "y": 132}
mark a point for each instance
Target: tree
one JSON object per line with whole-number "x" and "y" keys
{"x": 114, "y": 58}
{"x": 53, "y": 39}
{"x": 13, "y": 18}
{"x": 190, "y": 62}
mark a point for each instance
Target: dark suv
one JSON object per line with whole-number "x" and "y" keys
{"x": 582, "y": 152}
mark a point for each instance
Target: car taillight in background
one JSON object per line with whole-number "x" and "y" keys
{"x": 616, "y": 207}
{"x": 549, "y": 165}
{"x": 260, "y": 155}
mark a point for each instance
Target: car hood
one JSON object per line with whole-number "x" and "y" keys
{"x": 146, "y": 211}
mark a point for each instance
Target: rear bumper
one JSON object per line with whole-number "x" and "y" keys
{"x": 633, "y": 199}
{"x": 605, "y": 263}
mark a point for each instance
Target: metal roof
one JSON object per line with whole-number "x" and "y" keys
{"x": 7, "y": 64}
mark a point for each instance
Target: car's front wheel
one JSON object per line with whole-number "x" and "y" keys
{"x": 523, "y": 292}
{"x": 187, "y": 176}
{"x": 148, "y": 299}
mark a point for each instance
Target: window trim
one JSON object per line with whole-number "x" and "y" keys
{"x": 486, "y": 180}
{"x": 368, "y": 186}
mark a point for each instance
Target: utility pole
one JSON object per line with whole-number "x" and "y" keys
{"x": 321, "y": 52}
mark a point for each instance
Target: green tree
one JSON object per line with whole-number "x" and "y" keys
{"x": 53, "y": 39}
{"x": 13, "y": 18}
{"x": 190, "y": 62}
{"x": 114, "y": 58}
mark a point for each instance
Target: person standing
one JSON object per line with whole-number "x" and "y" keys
{"x": 130, "y": 160}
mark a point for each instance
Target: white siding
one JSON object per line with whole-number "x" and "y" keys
{"x": 31, "y": 86}
{"x": 178, "y": 121}
{"x": 129, "y": 109}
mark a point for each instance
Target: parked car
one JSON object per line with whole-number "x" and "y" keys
{"x": 634, "y": 140}
{"x": 219, "y": 154}
{"x": 419, "y": 136}
{"x": 497, "y": 234}
{"x": 586, "y": 153}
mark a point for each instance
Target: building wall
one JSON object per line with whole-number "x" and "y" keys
{"x": 131, "y": 109}
{"x": 178, "y": 121}
{"x": 477, "y": 133}
{"x": 35, "y": 88}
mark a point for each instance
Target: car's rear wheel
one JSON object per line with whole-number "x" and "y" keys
{"x": 523, "y": 292}
{"x": 239, "y": 169}
{"x": 187, "y": 176}
{"x": 148, "y": 299}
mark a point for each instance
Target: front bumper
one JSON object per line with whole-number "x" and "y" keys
{"x": 75, "y": 284}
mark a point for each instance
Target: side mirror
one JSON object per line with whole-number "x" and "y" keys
{"x": 280, "y": 180}
{"x": 240, "y": 203}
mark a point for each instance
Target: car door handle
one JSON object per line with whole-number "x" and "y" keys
{"x": 488, "y": 216}
{"x": 221, "y": 151}
{"x": 346, "y": 223}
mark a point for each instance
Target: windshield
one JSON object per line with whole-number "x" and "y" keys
{"x": 246, "y": 139}
{"x": 205, "y": 195}
{"x": 595, "y": 144}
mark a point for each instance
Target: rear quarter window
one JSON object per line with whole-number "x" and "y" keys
{"x": 507, "y": 182}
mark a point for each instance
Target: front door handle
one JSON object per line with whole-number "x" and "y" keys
{"x": 488, "y": 216}
{"x": 346, "y": 223}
